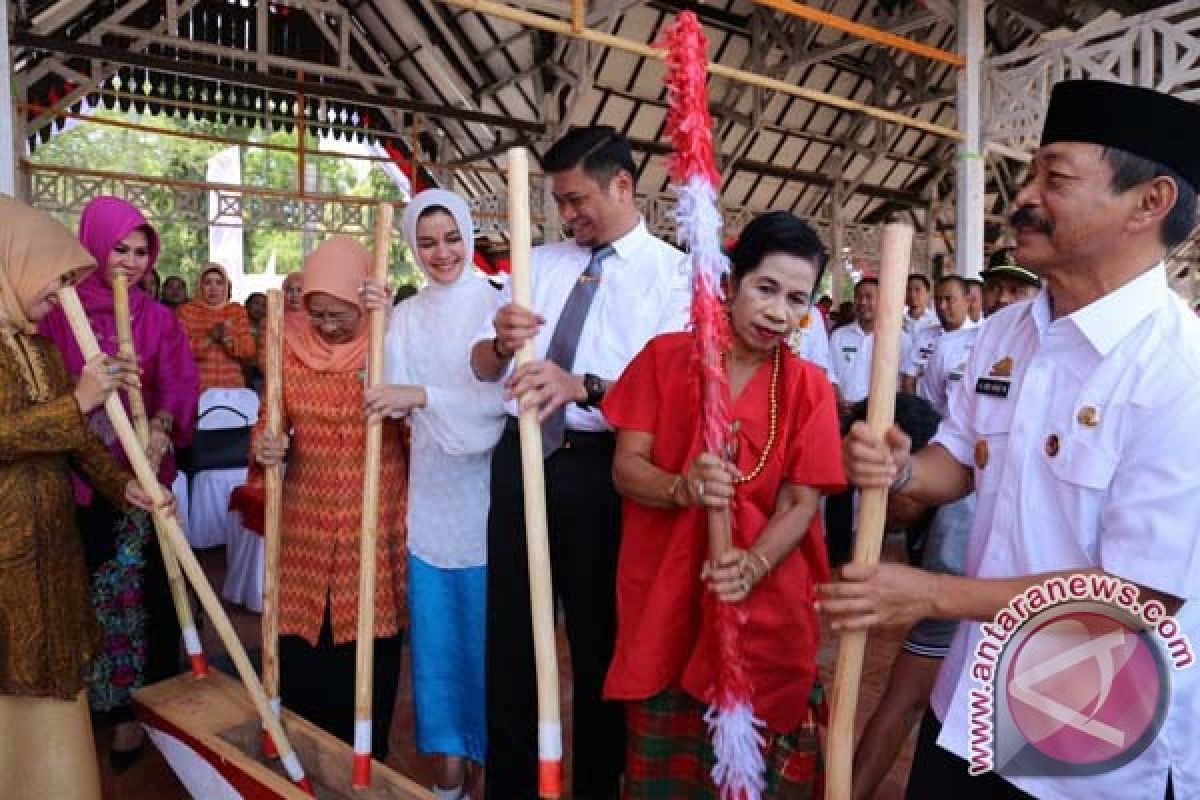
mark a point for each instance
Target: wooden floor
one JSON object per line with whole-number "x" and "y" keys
{"x": 150, "y": 778}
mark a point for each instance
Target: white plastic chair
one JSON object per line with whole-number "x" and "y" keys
{"x": 179, "y": 488}
{"x": 210, "y": 522}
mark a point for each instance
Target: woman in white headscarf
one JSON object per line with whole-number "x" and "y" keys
{"x": 456, "y": 421}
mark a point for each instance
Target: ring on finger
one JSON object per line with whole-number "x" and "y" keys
{"x": 699, "y": 488}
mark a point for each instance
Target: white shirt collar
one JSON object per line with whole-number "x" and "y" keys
{"x": 1106, "y": 321}
{"x": 628, "y": 244}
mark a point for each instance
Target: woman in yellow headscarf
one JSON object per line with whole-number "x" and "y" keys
{"x": 48, "y": 629}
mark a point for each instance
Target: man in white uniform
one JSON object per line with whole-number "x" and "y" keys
{"x": 1006, "y": 283}
{"x": 811, "y": 341}
{"x": 850, "y": 348}
{"x": 917, "y": 313}
{"x": 950, "y": 297}
{"x": 1079, "y": 429}
{"x": 975, "y": 300}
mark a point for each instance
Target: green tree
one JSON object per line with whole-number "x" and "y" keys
{"x": 184, "y": 246}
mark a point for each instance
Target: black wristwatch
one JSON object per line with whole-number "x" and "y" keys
{"x": 595, "y": 388}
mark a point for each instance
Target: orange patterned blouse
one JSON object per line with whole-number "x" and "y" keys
{"x": 322, "y": 506}
{"x": 219, "y": 364}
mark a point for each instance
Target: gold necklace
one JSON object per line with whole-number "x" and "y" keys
{"x": 773, "y": 422}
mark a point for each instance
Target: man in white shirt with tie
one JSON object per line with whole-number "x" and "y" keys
{"x": 597, "y": 299}
{"x": 1078, "y": 427}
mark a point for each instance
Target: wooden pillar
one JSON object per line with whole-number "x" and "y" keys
{"x": 839, "y": 281}
{"x": 970, "y": 178}
{"x": 8, "y": 144}
{"x": 931, "y": 223}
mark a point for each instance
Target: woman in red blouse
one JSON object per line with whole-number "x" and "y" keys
{"x": 786, "y": 454}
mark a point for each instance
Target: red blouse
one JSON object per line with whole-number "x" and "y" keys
{"x": 665, "y": 634}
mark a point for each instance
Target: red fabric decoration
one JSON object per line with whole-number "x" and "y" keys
{"x": 251, "y": 503}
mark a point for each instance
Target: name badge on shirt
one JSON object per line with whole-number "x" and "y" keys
{"x": 992, "y": 387}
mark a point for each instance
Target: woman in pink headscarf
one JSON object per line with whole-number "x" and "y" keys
{"x": 129, "y": 583}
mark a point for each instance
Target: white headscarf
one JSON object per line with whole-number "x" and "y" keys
{"x": 428, "y": 345}
{"x": 440, "y": 198}
{"x": 429, "y": 339}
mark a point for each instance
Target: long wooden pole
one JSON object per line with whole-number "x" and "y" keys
{"x": 895, "y": 252}
{"x": 273, "y": 512}
{"x": 137, "y": 407}
{"x": 563, "y": 28}
{"x": 864, "y": 32}
{"x": 69, "y": 300}
{"x": 533, "y": 479}
{"x": 365, "y": 648}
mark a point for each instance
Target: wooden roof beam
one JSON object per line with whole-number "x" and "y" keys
{"x": 875, "y": 35}
{"x": 503, "y": 11}
{"x": 897, "y": 196}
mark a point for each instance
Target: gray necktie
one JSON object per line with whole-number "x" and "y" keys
{"x": 565, "y": 340}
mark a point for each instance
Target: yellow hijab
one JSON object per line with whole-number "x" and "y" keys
{"x": 35, "y": 250}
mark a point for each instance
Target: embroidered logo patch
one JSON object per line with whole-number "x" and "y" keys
{"x": 1002, "y": 368}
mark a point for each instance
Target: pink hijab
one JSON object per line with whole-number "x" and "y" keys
{"x": 104, "y": 223}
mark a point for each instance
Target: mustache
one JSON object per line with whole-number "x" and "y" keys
{"x": 1026, "y": 217}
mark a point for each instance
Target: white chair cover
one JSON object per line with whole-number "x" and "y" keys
{"x": 210, "y": 522}
{"x": 245, "y": 561}
{"x": 179, "y": 488}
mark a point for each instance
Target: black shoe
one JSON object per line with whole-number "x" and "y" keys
{"x": 121, "y": 760}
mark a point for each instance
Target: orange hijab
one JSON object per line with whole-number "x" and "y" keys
{"x": 338, "y": 268}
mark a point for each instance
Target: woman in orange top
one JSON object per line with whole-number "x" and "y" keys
{"x": 219, "y": 332}
{"x": 324, "y": 358}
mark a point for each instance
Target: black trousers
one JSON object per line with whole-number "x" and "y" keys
{"x": 584, "y": 514}
{"x": 318, "y": 684}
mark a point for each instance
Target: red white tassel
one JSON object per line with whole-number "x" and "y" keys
{"x": 737, "y": 744}
{"x": 738, "y": 747}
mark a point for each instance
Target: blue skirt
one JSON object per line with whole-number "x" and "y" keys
{"x": 448, "y": 626}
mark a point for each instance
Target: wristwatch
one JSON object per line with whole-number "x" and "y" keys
{"x": 595, "y": 388}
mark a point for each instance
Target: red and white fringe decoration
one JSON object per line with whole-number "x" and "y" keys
{"x": 737, "y": 743}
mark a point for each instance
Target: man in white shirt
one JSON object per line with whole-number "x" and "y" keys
{"x": 810, "y": 341}
{"x": 597, "y": 299}
{"x": 951, "y": 302}
{"x": 1006, "y": 284}
{"x": 850, "y": 348}
{"x": 1077, "y": 428}
{"x": 917, "y": 313}
{"x": 975, "y": 300}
